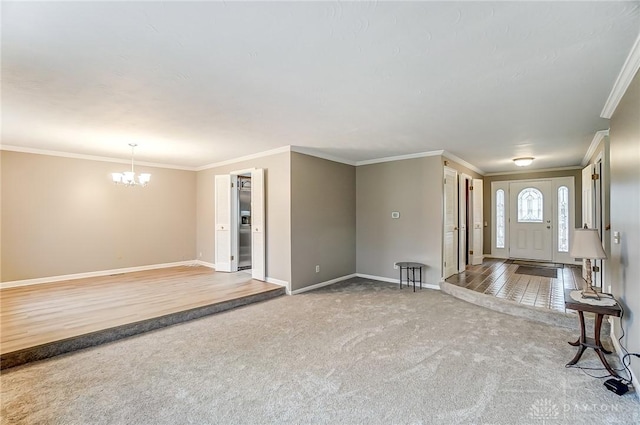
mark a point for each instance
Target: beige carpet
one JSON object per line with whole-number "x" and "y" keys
{"x": 358, "y": 352}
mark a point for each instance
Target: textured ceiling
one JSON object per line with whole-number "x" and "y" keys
{"x": 203, "y": 82}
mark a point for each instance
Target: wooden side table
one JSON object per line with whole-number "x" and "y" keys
{"x": 585, "y": 342}
{"x": 411, "y": 266}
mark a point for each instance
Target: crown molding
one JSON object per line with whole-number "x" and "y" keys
{"x": 399, "y": 157}
{"x": 462, "y": 162}
{"x": 543, "y": 170}
{"x": 597, "y": 138}
{"x": 91, "y": 157}
{"x": 318, "y": 154}
{"x": 244, "y": 158}
{"x": 628, "y": 71}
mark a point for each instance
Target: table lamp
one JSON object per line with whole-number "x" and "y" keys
{"x": 586, "y": 244}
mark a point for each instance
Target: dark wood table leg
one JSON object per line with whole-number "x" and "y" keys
{"x": 605, "y": 362}
{"x": 400, "y": 277}
{"x": 581, "y": 341}
{"x": 600, "y": 350}
{"x": 599, "y": 318}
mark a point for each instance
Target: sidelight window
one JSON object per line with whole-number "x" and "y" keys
{"x": 500, "y": 220}
{"x": 563, "y": 219}
{"x": 530, "y": 206}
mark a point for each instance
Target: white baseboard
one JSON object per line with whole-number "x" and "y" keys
{"x": 205, "y": 264}
{"x": 321, "y": 284}
{"x": 40, "y": 280}
{"x": 620, "y": 352}
{"x": 392, "y": 280}
{"x": 279, "y": 282}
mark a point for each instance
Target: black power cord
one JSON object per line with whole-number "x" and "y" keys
{"x": 626, "y": 356}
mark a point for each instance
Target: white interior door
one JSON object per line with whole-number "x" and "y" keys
{"x": 587, "y": 205}
{"x": 598, "y": 222}
{"x": 257, "y": 225}
{"x": 531, "y": 220}
{"x": 223, "y": 223}
{"x": 463, "y": 183}
{"x": 477, "y": 222}
{"x": 450, "y": 245}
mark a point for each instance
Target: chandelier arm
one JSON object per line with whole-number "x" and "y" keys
{"x": 132, "y": 153}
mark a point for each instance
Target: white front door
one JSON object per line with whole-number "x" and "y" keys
{"x": 531, "y": 220}
{"x": 450, "y": 246}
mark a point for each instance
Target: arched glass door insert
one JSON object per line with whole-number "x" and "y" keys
{"x": 530, "y": 203}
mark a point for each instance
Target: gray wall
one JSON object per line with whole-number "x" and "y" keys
{"x": 64, "y": 216}
{"x": 278, "y": 212}
{"x": 414, "y": 188}
{"x": 577, "y": 177}
{"x": 624, "y": 264}
{"x": 323, "y": 220}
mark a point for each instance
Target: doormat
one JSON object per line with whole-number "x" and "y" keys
{"x": 538, "y": 271}
{"x": 535, "y": 264}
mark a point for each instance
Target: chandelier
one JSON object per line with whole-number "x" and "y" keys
{"x": 128, "y": 178}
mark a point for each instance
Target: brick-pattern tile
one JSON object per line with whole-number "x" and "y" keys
{"x": 499, "y": 279}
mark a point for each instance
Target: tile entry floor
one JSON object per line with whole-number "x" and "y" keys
{"x": 499, "y": 278}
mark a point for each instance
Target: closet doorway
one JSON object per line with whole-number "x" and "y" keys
{"x": 240, "y": 222}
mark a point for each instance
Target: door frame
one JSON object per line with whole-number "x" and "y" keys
{"x": 451, "y": 173}
{"x": 464, "y": 183}
{"x": 556, "y": 183}
{"x": 258, "y": 253}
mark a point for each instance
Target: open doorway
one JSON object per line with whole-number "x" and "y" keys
{"x": 244, "y": 221}
{"x": 240, "y": 225}
{"x": 464, "y": 187}
{"x": 462, "y": 233}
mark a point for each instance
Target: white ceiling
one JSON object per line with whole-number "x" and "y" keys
{"x": 198, "y": 83}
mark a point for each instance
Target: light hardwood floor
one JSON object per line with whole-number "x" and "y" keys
{"x": 39, "y": 314}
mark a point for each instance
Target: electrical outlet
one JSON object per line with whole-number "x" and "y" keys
{"x": 317, "y": 269}
{"x": 395, "y": 266}
{"x": 200, "y": 254}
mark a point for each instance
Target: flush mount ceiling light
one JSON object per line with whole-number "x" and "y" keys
{"x": 523, "y": 162}
{"x": 128, "y": 178}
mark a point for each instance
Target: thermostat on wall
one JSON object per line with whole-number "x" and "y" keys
{"x": 395, "y": 214}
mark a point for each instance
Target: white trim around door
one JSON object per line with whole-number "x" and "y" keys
{"x": 558, "y": 215}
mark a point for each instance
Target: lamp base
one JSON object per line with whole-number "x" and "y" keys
{"x": 589, "y": 292}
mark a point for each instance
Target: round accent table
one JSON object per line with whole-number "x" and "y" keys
{"x": 411, "y": 267}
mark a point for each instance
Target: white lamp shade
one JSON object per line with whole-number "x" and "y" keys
{"x": 117, "y": 177}
{"x": 129, "y": 177}
{"x": 586, "y": 244}
{"x": 144, "y": 178}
